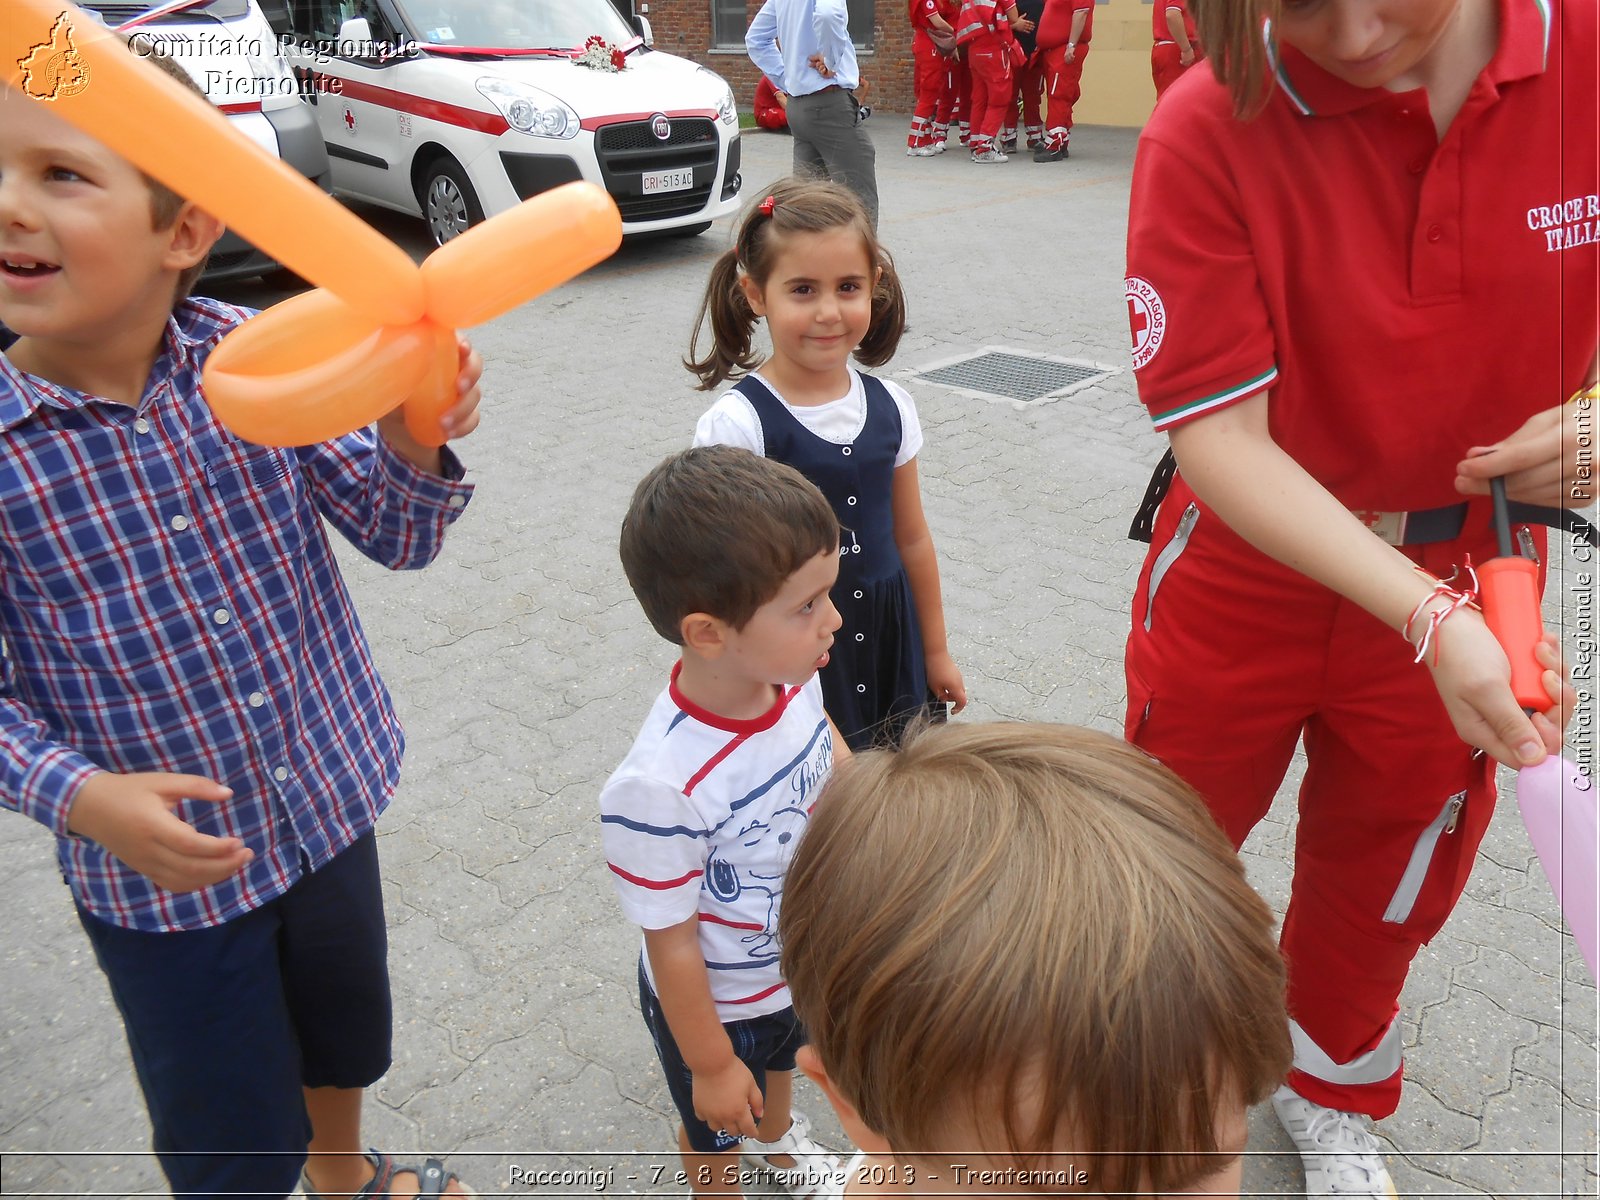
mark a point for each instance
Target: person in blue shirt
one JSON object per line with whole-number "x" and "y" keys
{"x": 804, "y": 48}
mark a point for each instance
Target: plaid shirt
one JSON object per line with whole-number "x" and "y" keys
{"x": 169, "y": 601}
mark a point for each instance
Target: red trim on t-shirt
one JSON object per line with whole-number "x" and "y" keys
{"x": 727, "y": 724}
{"x": 658, "y": 885}
{"x": 762, "y": 995}
{"x": 713, "y": 920}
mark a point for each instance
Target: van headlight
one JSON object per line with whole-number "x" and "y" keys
{"x": 528, "y": 110}
{"x": 726, "y": 112}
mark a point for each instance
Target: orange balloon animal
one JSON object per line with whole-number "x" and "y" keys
{"x": 380, "y": 332}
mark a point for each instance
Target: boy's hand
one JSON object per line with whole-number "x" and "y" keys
{"x": 945, "y": 682}
{"x": 458, "y": 420}
{"x": 1544, "y": 461}
{"x": 132, "y": 817}
{"x": 1473, "y": 678}
{"x": 728, "y": 1098}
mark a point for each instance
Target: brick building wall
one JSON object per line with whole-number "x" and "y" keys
{"x": 684, "y": 27}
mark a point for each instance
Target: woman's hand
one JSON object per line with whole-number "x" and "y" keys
{"x": 1549, "y": 460}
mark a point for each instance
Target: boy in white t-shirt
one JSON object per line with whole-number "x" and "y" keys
{"x": 731, "y": 556}
{"x": 1030, "y": 962}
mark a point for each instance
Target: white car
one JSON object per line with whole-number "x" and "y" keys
{"x": 454, "y": 110}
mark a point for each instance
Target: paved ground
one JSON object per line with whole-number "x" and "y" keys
{"x": 523, "y": 666}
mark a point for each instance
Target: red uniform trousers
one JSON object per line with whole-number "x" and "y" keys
{"x": 1030, "y": 82}
{"x": 930, "y": 77}
{"x": 1062, "y": 81}
{"x": 955, "y": 79}
{"x": 989, "y": 61}
{"x": 961, "y": 101}
{"x": 1233, "y": 658}
{"x": 1165, "y": 67}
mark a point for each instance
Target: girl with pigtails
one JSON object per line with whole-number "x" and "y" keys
{"x": 807, "y": 260}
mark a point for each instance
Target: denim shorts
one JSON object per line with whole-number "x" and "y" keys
{"x": 763, "y": 1044}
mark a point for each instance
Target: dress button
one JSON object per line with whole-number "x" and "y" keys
{"x": 1434, "y": 233}
{"x": 847, "y": 451}
{"x": 256, "y": 700}
{"x": 280, "y": 773}
{"x": 861, "y": 637}
{"x": 858, "y": 595}
{"x": 851, "y": 501}
{"x": 861, "y": 687}
{"x": 220, "y": 616}
{"x": 180, "y": 523}
{"x": 856, "y": 549}
{"x": 141, "y": 426}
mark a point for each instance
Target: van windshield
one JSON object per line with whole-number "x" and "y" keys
{"x": 514, "y": 24}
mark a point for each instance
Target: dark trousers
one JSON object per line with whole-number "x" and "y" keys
{"x": 829, "y": 143}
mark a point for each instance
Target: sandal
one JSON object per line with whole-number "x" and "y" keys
{"x": 815, "y": 1167}
{"x": 432, "y": 1179}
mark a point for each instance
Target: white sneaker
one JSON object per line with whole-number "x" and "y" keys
{"x": 815, "y": 1168}
{"x": 920, "y": 151}
{"x": 1340, "y": 1154}
{"x": 989, "y": 156}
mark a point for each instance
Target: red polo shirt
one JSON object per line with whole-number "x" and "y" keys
{"x": 1055, "y": 26}
{"x": 921, "y": 10}
{"x": 1402, "y": 298}
{"x": 1159, "y": 22}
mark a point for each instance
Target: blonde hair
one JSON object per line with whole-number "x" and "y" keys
{"x": 1234, "y": 33}
{"x": 1043, "y": 921}
{"x": 798, "y": 206}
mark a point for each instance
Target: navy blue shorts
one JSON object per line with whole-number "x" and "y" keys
{"x": 761, "y": 1043}
{"x": 227, "y": 1024}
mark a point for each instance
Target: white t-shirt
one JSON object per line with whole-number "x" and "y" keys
{"x": 702, "y": 817}
{"x": 732, "y": 420}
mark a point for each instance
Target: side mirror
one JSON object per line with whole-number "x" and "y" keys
{"x": 355, "y": 30}
{"x": 642, "y": 24}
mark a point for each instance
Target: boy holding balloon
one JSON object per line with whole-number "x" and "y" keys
{"x": 189, "y": 703}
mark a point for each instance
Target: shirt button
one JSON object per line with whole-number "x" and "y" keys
{"x": 851, "y": 501}
{"x": 220, "y": 616}
{"x": 280, "y": 773}
{"x": 180, "y": 523}
{"x": 256, "y": 700}
{"x": 1434, "y": 233}
{"x": 141, "y": 426}
{"x": 457, "y": 502}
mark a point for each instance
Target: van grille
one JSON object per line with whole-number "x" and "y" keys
{"x": 627, "y": 149}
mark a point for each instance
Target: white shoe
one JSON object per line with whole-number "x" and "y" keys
{"x": 989, "y": 156}
{"x": 920, "y": 151}
{"x": 1340, "y": 1154}
{"x": 815, "y": 1168}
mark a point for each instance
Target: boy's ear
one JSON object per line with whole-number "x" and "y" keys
{"x": 752, "y": 295}
{"x": 194, "y": 231}
{"x": 704, "y": 634}
{"x": 854, "y": 1127}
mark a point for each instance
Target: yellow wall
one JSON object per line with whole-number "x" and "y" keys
{"x": 1116, "y": 77}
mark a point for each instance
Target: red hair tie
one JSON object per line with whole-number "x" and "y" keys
{"x": 766, "y": 206}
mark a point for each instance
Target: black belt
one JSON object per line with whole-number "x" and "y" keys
{"x": 1415, "y": 528}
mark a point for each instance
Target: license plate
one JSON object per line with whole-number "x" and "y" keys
{"x": 668, "y": 181}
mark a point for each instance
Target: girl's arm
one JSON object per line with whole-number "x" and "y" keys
{"x": 1231, "y": 461}
{"x": 915, "y": 543}
{"x": 1180, "y": 35}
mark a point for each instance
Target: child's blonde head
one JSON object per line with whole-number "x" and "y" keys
{"x": 788, "y": 207}
{"x": 1039, "y": 932}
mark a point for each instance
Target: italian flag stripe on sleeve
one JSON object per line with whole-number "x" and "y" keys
{"x": 1216, "y": 400}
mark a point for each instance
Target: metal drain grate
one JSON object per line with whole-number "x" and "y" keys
{"x": 1006, "y": 375}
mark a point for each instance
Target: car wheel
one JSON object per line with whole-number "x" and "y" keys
{"x": 689, "y": 231}
{"x": 449, "y": 205}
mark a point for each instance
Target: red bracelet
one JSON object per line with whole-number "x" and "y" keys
{"x": 1458, "y": 600}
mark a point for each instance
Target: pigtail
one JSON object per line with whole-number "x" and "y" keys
{"x": 888, "y": 316}
{"x": 732, "y": 322}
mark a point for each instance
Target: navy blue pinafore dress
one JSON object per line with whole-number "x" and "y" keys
{"x": 876, "y": 680}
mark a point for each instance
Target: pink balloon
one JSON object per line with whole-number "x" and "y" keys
{"x": 1558, "y": 804}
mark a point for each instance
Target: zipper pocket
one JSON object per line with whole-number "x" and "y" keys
{"x": 1169, "y": 555}
{"x": 1405, "y": 896}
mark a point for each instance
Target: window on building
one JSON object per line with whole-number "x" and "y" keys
{"x": 862, "y": 13}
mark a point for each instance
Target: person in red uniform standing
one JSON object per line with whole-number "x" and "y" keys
{"x": 952, "y": 85}
{"x": 932, "y": 40}
{"x": 984, "y": 28}
{"x": 1374, "y": 292}
{"x": 772, "y": 107}
{"x": 1030, "y": 77}
{"x": 1064, "y": 33}
{"x": 1177, "y": 45}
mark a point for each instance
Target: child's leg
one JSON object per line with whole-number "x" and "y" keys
{"x": 712, "y": 1173}
{"x": 778, "y": 1114}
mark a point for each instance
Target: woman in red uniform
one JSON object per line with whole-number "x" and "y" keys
{"x": 1176, "y": 47}
{"x": 984, "y": 28}
{"x": 1064, "y": 33}
{"x": 1362, "y": 280}
{"x": 932, "y": 41}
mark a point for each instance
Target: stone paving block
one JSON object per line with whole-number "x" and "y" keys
{"x": 1475, "y": 1037}
{"x": 1567, "y": 1060}
{"x": 1518, "y": 1156}
{"x": 498, "y": 1089}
